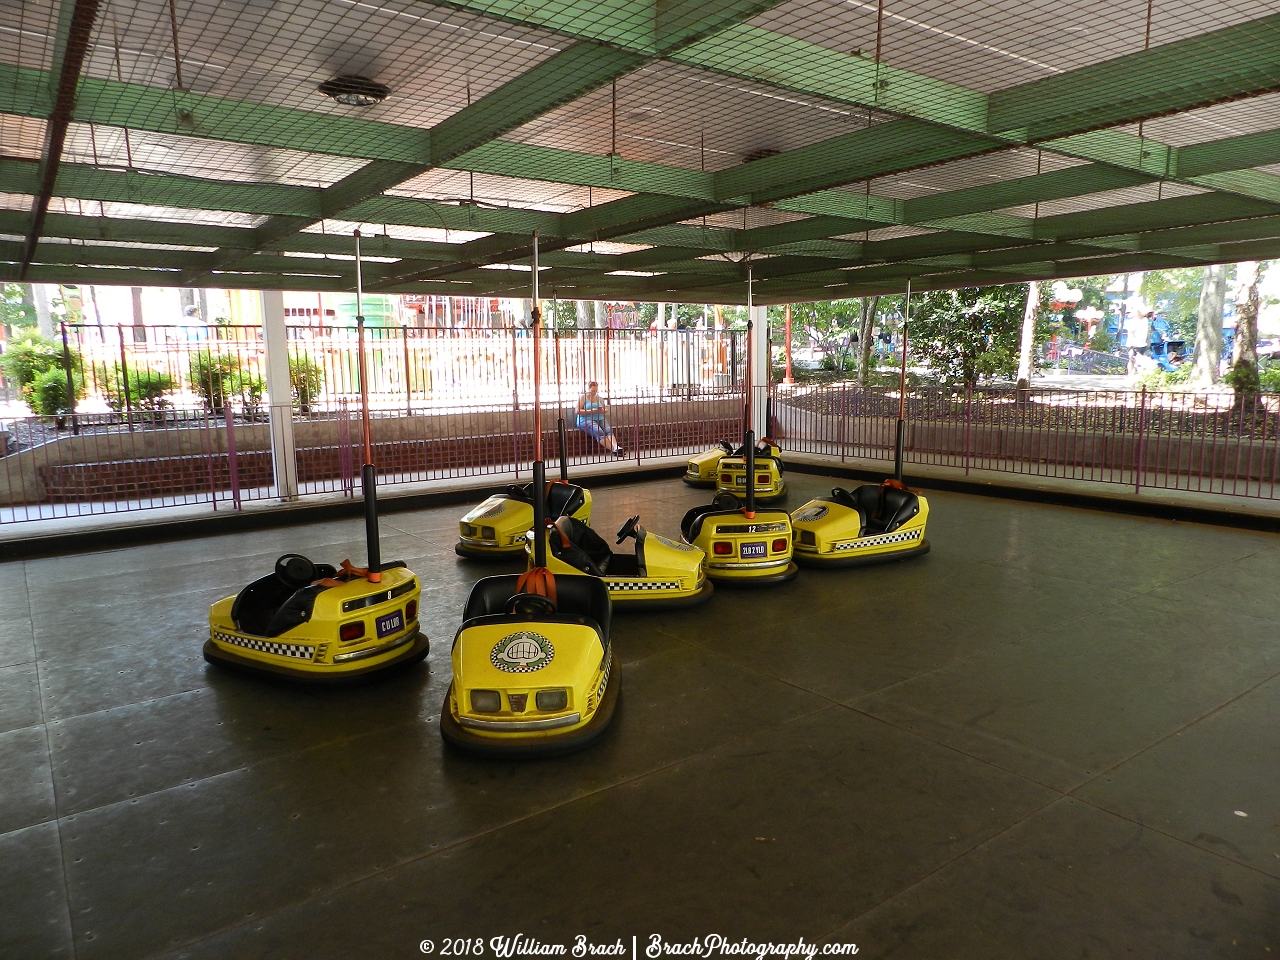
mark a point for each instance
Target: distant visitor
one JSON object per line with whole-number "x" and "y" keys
{"x": 594, "y": 422}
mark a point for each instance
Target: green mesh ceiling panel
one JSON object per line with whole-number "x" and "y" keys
{"x": 662, "y": 149}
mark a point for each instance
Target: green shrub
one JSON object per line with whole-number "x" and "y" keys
{"x": 215, "y": 377}
{"x": 147, "y": 389}
{"x": 1103, "y": 341}
{"x": 1269, "y": 379}
{"x": 306, "y": 377}
{"x": 252, "y": 389}
{"x": 49, "y": 394}
{"x": 1243, "y": 378}
{"x": 26, "y": 358}
{"x": 1159, "y": 379}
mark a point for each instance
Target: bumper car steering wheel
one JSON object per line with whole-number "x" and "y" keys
{"x": 531, "y": 605}
{"x": 628, "y": 529}
{"x": 295, "y": 570}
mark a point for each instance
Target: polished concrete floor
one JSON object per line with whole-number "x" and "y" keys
{"x": 1056, "y": 736}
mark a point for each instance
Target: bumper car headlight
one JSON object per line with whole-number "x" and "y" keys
{"x": 486, "y": 701}
{"x": 550, "y": 700}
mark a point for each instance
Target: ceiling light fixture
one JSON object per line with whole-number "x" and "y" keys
{"x": 355, "y": 91}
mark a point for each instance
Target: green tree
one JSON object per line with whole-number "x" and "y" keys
{"x": 1175, "y": 295}
{"x": 16, "y": 309}
{"x": 970, "y": 334}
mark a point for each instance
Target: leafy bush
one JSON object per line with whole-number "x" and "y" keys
{"x": 306, "y": 377}
{"x": 48, "y": 395}
{"x": 1269, "y": 379}
{"x": 1160, "y": 379}
{"x": 252, "y": 389}
{"x": 215, "y": 377}
{"x": 1243, "y": 378}
{"x": 1103, "y": 341}
{"x": 147, "y": 389}
{"x": 26, "y": 358}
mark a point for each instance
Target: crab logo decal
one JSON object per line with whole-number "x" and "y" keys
{"x": 809, "y": 514}
{"x": 522, "y": 652}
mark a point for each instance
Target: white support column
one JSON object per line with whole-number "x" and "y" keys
{"x": 759, "y": 370}
{"x": 279, "y": 394}
{"x": 602, "y": 321}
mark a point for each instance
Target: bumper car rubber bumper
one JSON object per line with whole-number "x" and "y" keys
{"x": 699, "y": 481}
{"x": 666, "y": 603}
{"x": 488, "y": 553}
{"x": 840, "y": 563}
{"x": 533, "y": 747}
{"x": 790, "y": 572}
{"x": 414, "y": 652}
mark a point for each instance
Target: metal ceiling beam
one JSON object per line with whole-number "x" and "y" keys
{"x": 1237, "y": 61}
{"x": 75, "y": 25}
{"x": 1051, "y": 113}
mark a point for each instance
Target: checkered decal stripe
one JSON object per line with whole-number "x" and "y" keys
{"x": 879, "y": 541}
{"x": 641, "y": 585}
{"x": 295, "y": 651}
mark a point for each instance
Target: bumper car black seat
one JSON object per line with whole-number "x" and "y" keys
{"x": 563, "y": 499}
{"x": 578, "y": 600}
{"x": 884, "y": 508}
{"x": 764, "y": 451}
{"x": 584, "y": 550}
{"x": 282, "y": 600}
{"x": 722, "y": 505}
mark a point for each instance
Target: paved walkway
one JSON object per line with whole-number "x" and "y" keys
{"x": 1053, "y": 736}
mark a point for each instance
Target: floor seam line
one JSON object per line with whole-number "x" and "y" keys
{"x": 958, "y": 857}
{"x": 954, "y": 749}
{"x": 1171, "y": 836}
{"x": 1173, "y": 733}
{"x": 466, "y": 840}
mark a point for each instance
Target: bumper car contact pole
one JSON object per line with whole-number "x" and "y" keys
{"x": 561, "y": 437}
{"x": 902, "y": 390}
{"x": 749, "y": 435}
{"x": 539, "y": 467}
{"x": 368, "y": 475}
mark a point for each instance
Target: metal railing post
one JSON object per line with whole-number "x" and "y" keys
{"x": 1140, "y": 453}
{"x": 71, "y": 384}
{"x": 844, "y": 420}
{"x": 124, "y": 380}
{"x": 207, "y": 436}
{"x": 968, "y": 425}
{"x": 408, "y": 382}
{"x": 233, "y": 465}
{"x": 515, "y": 434}
{"x": 635, "y": 426}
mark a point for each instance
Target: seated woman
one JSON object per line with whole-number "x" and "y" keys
{"x": 592, "y": 420}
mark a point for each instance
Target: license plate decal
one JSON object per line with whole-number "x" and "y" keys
{"x": 391, "y": 623}
{"x": 754, "y": 551}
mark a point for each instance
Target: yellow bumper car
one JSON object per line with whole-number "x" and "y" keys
{"x": 704, "y": 469}
{"x": 496, "y": 528}
{"x": 770, "y": 484}
{"x": 659, "y": 574}
{"x": 873, "y": 523}
{"x": 534, "y": 674}
{"x": 316, "y": 622}
{"x": 741, "y": 550}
